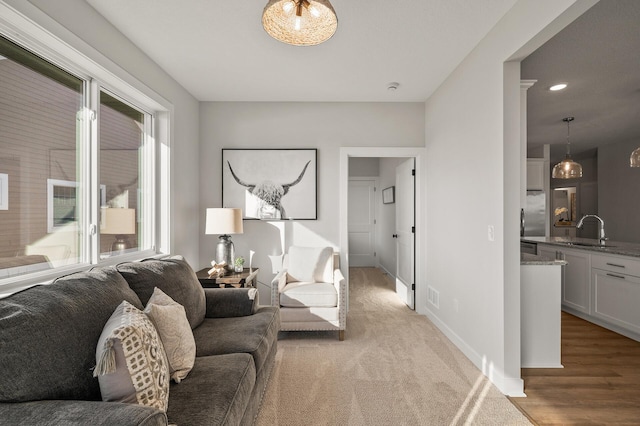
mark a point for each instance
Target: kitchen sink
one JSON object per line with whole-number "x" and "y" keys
{"x": 579, "y": 244}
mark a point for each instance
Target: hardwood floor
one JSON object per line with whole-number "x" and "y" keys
{"x": 599, "y": 384}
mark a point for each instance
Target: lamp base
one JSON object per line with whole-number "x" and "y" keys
{"x": 225, "y": 251}
{"x": 119, "y": 245}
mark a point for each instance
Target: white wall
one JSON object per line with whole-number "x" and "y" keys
{"x": 325, "y": 126}
{"x": 79, "y": 25}
{"x": 619, "y": 191}
{"x": 386, "y": 244}
{"x": 473, "y": 180}
{"x": 364, "y": 167}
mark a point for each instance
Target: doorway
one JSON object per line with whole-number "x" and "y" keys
{"x": 384, "y": 230}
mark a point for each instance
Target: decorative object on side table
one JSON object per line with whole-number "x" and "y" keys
{"x": 247, "y": 278}
{"x": 222, "y": 222}
{"x": 217, "y": 270}
{"x": 238, "y": 264}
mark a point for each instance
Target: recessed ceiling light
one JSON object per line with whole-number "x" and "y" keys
{"x": 557, "y": 87}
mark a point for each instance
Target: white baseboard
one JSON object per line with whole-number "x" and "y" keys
{"x": 511, "y": 386}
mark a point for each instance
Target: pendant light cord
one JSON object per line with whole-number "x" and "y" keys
{"x": 568, "y": 120}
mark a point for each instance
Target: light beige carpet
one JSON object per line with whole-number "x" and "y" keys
{"x": 394, "y": 368}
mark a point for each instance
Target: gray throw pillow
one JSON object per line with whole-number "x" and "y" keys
{"x": 174, "y": 330}
{"x": 174, "y": 277}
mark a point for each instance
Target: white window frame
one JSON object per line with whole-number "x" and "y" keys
{"x": 158, "y": 113}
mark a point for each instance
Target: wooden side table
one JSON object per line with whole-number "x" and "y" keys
{"x": 246, "y": 278}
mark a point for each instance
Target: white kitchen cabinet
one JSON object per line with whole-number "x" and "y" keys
{"x": 535, "y": 174}
{"x": 615, "y": 289}
{"x": 576, "y": 280}
{"x": 600, "y": 287}
{"x": 576, "y": 276}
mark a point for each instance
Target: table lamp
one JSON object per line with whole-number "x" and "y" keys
{"x": 118, "y": 222}
{"x": 222, "y": 222}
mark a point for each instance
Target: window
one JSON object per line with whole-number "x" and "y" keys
{"x": 79, "y": 159}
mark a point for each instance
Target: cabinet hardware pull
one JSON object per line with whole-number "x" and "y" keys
{"x": 616, "y": 276}
{"x": 613, "y": 264}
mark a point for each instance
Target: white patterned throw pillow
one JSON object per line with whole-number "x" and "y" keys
{"x": 170, "y": 320}
{"x": 131, "y": 364}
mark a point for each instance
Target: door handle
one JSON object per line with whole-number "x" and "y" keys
{"x": 395, "y": 235}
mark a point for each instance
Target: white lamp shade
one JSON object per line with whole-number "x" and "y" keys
{"x": 222, "y": 221}
{"x": 118, "y": 221}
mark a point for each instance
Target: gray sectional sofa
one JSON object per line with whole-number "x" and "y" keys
{"x": 49, "y": 333}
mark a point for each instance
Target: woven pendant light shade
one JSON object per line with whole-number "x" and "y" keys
{"x": 316, "y": 21}
{"x": 635, "y": 158}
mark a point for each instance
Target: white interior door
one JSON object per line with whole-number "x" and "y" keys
{"x": 405, "y": 231}
{"x": 362, "y": 221}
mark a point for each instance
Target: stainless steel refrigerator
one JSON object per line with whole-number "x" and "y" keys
{"x": 534, "y": 215}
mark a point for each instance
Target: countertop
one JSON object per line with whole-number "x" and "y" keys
{"x": 610, "y": 247}
{"x": 533, "y": 259}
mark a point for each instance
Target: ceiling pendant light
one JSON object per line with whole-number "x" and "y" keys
{"x": 635, "y": 158}
{"x": 567, "y": 168}
{"x": 300, "y": 22}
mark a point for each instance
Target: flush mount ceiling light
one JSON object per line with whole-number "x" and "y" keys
{"x": 558, "y": 86}
{"x": 567, "y": 168}
{"x": 635, "y": 158}
{"x": 300, "y": 22}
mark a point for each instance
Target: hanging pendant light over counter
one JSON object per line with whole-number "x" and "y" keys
{"x": 567, "y": 168}
{"x": 300, "y": 22}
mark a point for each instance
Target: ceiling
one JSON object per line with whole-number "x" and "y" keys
{"x": 219, "y": 51}
{"x": 598, "y": 55}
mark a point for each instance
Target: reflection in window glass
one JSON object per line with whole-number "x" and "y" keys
{"x": 39, "y": 105}
{"x": 121, "y": 142}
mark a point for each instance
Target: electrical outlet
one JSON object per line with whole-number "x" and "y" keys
{"x": 433, "y": 296}
{"x": 491, "y": 233}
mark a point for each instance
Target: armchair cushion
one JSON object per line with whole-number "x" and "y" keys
{"x": 309, "y": 264}
{"x": 305, "y": 294}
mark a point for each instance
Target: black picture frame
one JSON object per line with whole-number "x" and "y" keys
{"x": 271, "y": 184}
{"x": 389, "y": 195}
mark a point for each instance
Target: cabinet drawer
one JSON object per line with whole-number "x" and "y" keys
{"x": 616, "y": 264}
{"x": 616, "y": 298}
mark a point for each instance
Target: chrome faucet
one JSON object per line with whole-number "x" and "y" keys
{"x": 581, "y": 222}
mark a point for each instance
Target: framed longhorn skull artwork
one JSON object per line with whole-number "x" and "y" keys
{"x": 271, "y": 184}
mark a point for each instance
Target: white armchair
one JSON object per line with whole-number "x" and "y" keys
{"x": 311, "y": 291}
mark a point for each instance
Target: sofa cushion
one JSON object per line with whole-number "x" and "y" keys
{"x": 310, "y": 264}
{"x": 304, "y": 294}
{"x": 80, "y": 413}
{"x": 49, "y": 333}
{"x": 254, "y": 334}
{"x": 216, "y": 392}
{"x": 174, "y": 277}
{"x": 177, "y": 338}
{"x": 131, "y": 365}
